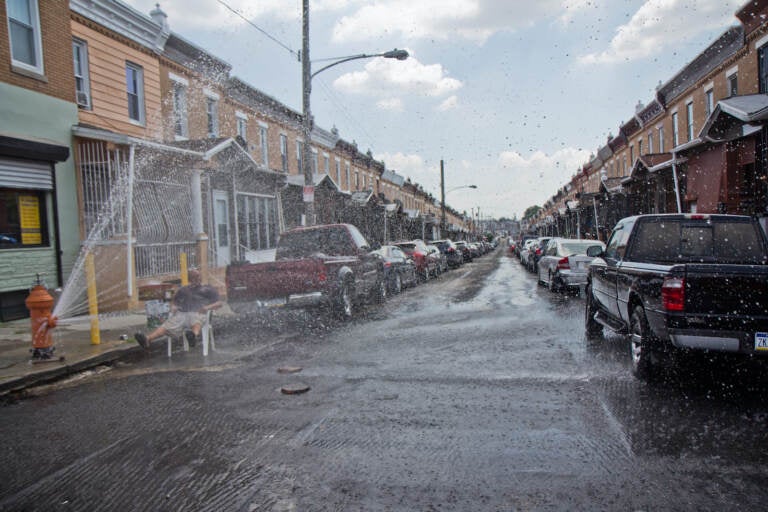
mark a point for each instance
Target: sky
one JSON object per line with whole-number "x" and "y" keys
{"x": 513, "y": 96}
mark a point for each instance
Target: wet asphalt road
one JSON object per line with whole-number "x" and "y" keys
{"x": 473, "y": 392}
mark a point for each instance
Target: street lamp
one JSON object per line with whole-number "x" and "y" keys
{"x": 442, "y": 196}
{"x": 307, "y": 76}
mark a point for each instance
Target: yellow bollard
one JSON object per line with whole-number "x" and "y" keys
{"x": 183, "y": 269}
{"x": 93, "y": 301}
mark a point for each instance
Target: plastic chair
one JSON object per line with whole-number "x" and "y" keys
{"x": 206, "y": 337}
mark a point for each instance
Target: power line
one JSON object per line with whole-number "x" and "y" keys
{"x": 291, "y": 50}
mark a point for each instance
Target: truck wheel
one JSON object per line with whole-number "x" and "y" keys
{"x": 380, "y": 292}
{"x": 344, "y": 301}
{"x": 640, "y": 341}
{"x": 592, "y": 328}
{"x": 398, "y": 286}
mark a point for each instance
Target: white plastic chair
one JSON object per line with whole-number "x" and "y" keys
{"x": 206, "y": 337}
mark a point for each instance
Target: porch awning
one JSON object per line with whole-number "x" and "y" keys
{"x": 733, "y": 116}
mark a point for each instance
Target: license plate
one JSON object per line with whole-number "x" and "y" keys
{"x": 761, "y": 341}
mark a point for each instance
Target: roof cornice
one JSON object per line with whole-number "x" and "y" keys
{"x": 124, "y": 20}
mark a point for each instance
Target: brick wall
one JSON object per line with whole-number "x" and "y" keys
{"x": 58, "y": 80}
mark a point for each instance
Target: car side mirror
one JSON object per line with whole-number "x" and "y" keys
{"x": 594, "y": 251}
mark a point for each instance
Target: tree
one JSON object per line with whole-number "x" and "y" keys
{"x": 531, "y": 212}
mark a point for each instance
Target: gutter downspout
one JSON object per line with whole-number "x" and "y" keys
{"x": 677, "y": 186}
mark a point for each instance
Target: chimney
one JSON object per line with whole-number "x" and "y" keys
{"x": 159, "y": 17}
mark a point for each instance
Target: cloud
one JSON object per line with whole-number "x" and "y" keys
{"x": 474, "y": 20}
{"x": 449, "y": 103}
{"x": 659, "y": 24}
{"x": 388, "y": 78}
{"x": 393, "y": 104}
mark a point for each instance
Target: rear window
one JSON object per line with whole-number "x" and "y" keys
{"x": 567, "y": 249}
{"x": 306, "y": 243}
{"x": 685, "y": 241}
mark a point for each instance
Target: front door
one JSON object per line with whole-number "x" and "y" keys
{"x": 221, "y": 223}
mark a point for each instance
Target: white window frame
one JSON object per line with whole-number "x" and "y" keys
{"x": 709, "y": 100}
{"x": 675, "y": 131}
{"x": 241, "y": 120}
{"x": 650, "y": 143}
{"x": 81, "y": 47}
{"x": 284, "y": 152}
{"x": 338, "y": 172}
{"x": 264, "y": 142}
{"x": 660, "y": 131}
{"x": 327, "y": 163}
{"x": 348, "y": 171}
{"x": 734, "y": 71}
{"x": 139, "y": 92}
{"x": 212, "y": 116}
{"x": 34, "y": 14}
{"x": 689, "y": 119}
{"x": 180, "y": 84}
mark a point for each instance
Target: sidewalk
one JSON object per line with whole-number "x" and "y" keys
{"x": 72, "y": 341}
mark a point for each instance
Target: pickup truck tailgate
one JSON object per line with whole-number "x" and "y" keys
{"x": 270, "y": 280}
{"x": 726, "y": 289}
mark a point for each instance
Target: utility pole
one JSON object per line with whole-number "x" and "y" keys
{"x": 442, "y": 198}
{"x": 306, "y": 149}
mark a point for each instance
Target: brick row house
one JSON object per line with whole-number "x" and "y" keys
{"x": 157, "y": 151}
{"x": 699, "y": 145}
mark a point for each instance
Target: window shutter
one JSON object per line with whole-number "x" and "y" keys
{"x": 28, "y": 174}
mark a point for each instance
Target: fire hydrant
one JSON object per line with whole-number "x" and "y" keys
{"x": 40, "y": 304}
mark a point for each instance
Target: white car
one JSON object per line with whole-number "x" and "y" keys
{"x": 525, "y": 252}
{"x": 564, "y": 262}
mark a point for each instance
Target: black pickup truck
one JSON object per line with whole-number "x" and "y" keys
{"x": 677, "y": 282}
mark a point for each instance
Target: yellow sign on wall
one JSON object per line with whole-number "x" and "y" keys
{"x": 29, "y": 214}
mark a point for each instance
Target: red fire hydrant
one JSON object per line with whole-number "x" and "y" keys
{"x": 40, "y": 304}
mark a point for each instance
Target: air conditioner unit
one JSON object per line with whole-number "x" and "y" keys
{"x": 83, "y": 99}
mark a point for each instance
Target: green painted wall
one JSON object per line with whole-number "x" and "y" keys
{"x": 31, "y": 115}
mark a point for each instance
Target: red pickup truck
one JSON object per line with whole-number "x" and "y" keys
{"x": 328, "y": 265}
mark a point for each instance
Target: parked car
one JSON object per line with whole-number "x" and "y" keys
{"x": 462, "y": 246}
{"x": 678, "y": 283}
{"x": 418, "y": 251}
{"x": 536, "y": 251}
{"x": 331, "y": 266}
{"x": 563, "y": 265}
{"x": 520, "y": 244}
{"x": 399, "y": 269}
{"x": 439, "y": 257}
{"x": 452, "y": 253}
{"x": 526, "y": 251}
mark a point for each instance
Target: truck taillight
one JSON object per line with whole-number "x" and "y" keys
{"x": 538, "y": 251}
{"x": 387, "y": 264}
{"x": 322, "y": 276}
{"x": 563, "y": 264}
{"x": 673, "y": 294}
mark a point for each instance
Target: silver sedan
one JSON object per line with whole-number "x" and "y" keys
{"x": 563, "y": 265}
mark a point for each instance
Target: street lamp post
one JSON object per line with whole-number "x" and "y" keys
{"x": 306, "y": 89}
{"x": 442, "y": 197}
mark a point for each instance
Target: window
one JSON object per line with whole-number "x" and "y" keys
{"x": 134, "y": 82}
{"x": 650, "y": 142}
{"x": 349, "y": 180}
{"x": 357, "y": 180}
{"x": 256, "y": 222}
{"x": 242, "y": 125}
{"x": 180, "y": 126}
{"x": 640, "y": 147}
{"x": 24, "y": 34}
{"x": 212, "y": 109}
{"x": 631, "y": 156}
{"x": 709, "y": 99}
{"x": 314, "y": 162}
{"x": 299, "y": 158}
{"x": 689, "y": 114}
{"x": 338, "y": 174}
{"x": 661, "y": 139}
{"x": 326, "y": 163}
{"x": 733, "y": 84}
{"x": 284, "y": 152}
{"x": 82, "y": 83}
{"x": 675, "y": 133}
{"x": 264, "y": 145}
{"x": 22, "y": 218}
